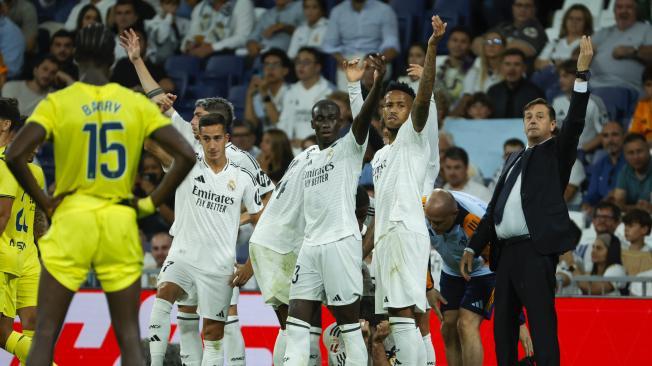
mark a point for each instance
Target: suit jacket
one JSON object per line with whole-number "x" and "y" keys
{"x": 545, "y": 173}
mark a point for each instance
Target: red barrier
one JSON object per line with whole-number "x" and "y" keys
{"x": 591, "y": 332}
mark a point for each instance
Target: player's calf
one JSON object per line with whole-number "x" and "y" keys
{"x": 214, "y": 343}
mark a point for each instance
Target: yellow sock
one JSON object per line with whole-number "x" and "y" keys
{"x": 19, "y": 344}
{"x": 29, "y": 333}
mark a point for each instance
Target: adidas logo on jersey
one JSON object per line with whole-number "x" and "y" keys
{"x": 385, "y": 299}
{"x": 337, "y": 298}
{"x": 154, "y": 338}
{"x": 221, "y": 314}
{"x": 200, "y": 179}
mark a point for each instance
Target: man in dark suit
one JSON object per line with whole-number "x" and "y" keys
{"x": 528, "y": 226}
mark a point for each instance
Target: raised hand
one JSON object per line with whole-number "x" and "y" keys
{"x": 586, "y": 54}
{"x": 129, "y": 41}
{"x": 378, "y": 64}
{"x": 438, "y": 30}
{"x": 354, "y": 69}
{"x": 415, "y": 70}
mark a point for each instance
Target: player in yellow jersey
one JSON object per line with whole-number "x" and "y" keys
{"x": 98, "y": 130}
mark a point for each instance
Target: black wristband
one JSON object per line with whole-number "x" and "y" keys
{"x": 584, "y": 75}
{"x": 155, "y": 92}
{"x": 267, "y": 99}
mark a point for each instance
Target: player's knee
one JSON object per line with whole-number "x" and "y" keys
{"x": 233, "y": 310}
{"x": 169, "y": 291}
{"x": 467, "y": 327}
{"x": 449, "y": 330}
{"x": 213, "y": 330}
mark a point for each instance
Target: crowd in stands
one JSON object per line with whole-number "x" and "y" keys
{"x": 275, "y": 58}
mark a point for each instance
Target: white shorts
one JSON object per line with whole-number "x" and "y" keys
{"x": 400, "y": 267}
{"x": 191, "y": 299}
{"x": 330, "y": 273}
{"x": 273, "y": 272}
{"x": 212, "y": 292}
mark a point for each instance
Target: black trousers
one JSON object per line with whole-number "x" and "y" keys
{"x": 525, "y": 278}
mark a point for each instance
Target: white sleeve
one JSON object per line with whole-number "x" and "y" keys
{"x": 432, "y": 127}
{"x": 577, "y": 175}
{"x": 547, "y": 50}
{"x": 285, "y": 118}
{"x": 355, "y": 98}
{"x": 294, "y": 42}
{"x": 184, "y": 128}
{"x": 469, "y": 84}
{"x": 71, "y": 22}
{"x": 194, "y": 27}
{"x": 243, "y": 16}
{"x": 350, "y": 145}
{"x": 251, "y": 197}
{"x": 615, "y": 270}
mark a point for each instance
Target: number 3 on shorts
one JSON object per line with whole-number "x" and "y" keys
{"x": 296, "y": 273}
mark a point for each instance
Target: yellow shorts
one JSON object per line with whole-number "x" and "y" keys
{"x": 105, "y": 238}
{"x": 27, "y": 285}
{"x": 8, "y": 294}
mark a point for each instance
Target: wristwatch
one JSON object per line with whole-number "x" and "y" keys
{"x": 584, "y": 75}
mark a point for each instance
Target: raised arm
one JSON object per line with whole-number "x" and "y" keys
{"x": 354, "y": 71}
{"x": 361, "y": 122}
{"x": 422, "y": 101}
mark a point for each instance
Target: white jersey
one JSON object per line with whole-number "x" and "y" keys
{"x": 330, "y": 181}
{"x": 281, "y": 226}
{"x": 233, "y": 153}
{"x": 207, "y": 215}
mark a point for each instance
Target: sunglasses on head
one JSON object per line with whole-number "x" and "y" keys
{"x": 496, "y": 41}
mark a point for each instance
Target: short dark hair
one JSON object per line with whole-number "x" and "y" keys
{"x": 647, "y": 74}
{"x": 244, "y": 123}
{"x": 514, "y": 142}
{"x": 319, "y": 56}
{"x": 285, "y": 60}
{"x": 615, "y": 210}
{"x": 44, "y": 58}
{"x": 513, "y": 52}
{"x": 127, "y": 2}
{"x": 213, "y": 119}
{"x": 399, "y": 86}
{"x": 551, "y": 111}
{"x": 638, "y": 216}
{"x": 457, "y": 153}
{"x": 95, "y": 44}
{"x": 62, "y": 33}
{"x": 480, "y": 97}
{"x": 219, "y": 105}
{"x": 631, "y": 137}
{"x": 9, "y": 111}
{"x": 322, "y": 6}
{"x": 461, "y": 29}
{"x": 568, "y": 66}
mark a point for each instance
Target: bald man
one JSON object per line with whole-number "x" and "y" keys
{"x": 452, "y": 218}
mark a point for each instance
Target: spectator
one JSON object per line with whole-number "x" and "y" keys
{"x": 605, "y": 256}
{"x": 485, "y": 71}
{"x": 596, "y": 112}
{"x": 524, "y": 32}
{"x": 479, "y": 107}
{"x": 275, "y": 154}
{"x": 312, "y": 32}
{"x": 30, "y": 92}
{"x": 573, "y": 193}
{"x": 446, "y": 142}
{"x": 264, "y": 101}
{"x": 360, "y": 27}
{"x": 312, "y": 87}
{"x": 244, "y": 137}
{"x": 148, "y": 260}
{"x": 415, "y": 58}
{"x": 605, "y": 171}
{"x": 515, "y": 91}
{"x": 622, "y": 49}
{"x": 606, "y": 218}
{"x": 89, "y": 14}
{"x": 642, "y": 119}
{"x": 275, "y": 27}
{"x": 510, "y": 146}
{"x": 634, "y": 183}
{"x": 452, "y": 69}
{"x": 125, "y": 16}
{"x": 23, "y": 14}
{"x": 161, "y": 243}
{"x": 102, "y": 5}
{"x": 456, "y": 163}
{"x": 637, "y": 257}
{"x": 62, "y": 46}
{"x": 151, "y": 174}
{"x": 346, "y": 116}
{"x": 12, "y": 44}
{"x": 218, "y": 26}
{"x": 166, "y": 30}
{"x": 577, "y": 22}
{"x": 125, "y": 74}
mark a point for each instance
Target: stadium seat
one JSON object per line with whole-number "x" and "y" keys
{"x": 183, "y": 64}
{"x": 426, "y": 31}
{"x": 594, "y": 6}
{"x": 180, "y": 84}
{"x": 405, "y": 30}
{"x": 237, "y": 96}
{"x": 620, "y": 102}
{"x": 459, "y": 9}
{"x": 330, "y": 4}
{"x": 229, "y": 66}
{"x": 412, "y": 7}
{"x": 607, "y": 17}
{"x": 547, "y": 80}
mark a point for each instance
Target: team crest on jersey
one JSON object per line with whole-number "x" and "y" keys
{"x": 231, "y": 185}
{"x": 330, "y": 154}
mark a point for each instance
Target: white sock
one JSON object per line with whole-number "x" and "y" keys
{"x": 356, "y": 351}
{"x": 421, "y": 351}
{"x": 279, "y": 347}
{"x": 406, "y": 340}
{"x": 234, "y": 345}
{"x": 430, "y": 350}
{"x": 315, "y": 351}
{"x": 190, "y": 344}
{"x": 159, "y": 330}
{"x": 297, "y": 351}
{"x": 213, "y": 353}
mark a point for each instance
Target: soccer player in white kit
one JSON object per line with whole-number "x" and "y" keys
{"x": 187, "y": 319}
{"x": 329, "y": 268}
{"x": 203, "y": 251}
{"x": 274, "y": 247}
{"x": 402, "y": 245}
